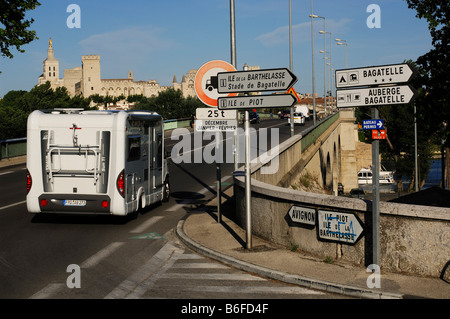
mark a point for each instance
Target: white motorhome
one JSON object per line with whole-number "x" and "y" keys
{"x": 102, "y": 162}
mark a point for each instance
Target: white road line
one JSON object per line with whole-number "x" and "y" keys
{"x": 199, "y": 266}
{"x": 147, "y": 224}
{"x": 102, "y": 254}
{"x": 12, "y": 205}
{"x": 243, "y": 290}
{"x": 238, "y": 277}
{"x": 48, "y": 291}
{"x": 8, "y": 172}
{"x": 143, "y": 279}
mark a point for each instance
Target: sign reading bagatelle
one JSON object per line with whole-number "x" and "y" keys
{"x": 255, "y": 80}
{"x": 399, "y": 94}
{"x": 374, "y": 75}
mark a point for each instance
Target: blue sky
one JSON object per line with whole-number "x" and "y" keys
{"x": 160, "y": 39}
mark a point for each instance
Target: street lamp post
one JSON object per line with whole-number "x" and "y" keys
{"x": 313, "y": 16}
{"x": 331, "y": 64}
{"x": 343, "y": 42}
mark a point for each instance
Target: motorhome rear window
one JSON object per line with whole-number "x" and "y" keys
{"x": 134, "y": 148}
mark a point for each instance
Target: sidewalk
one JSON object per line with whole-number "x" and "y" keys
{"x": 225, "y": 242}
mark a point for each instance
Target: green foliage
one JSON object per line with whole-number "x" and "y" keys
{"x": 17, "y": 105}
{"x": 170, "y": 104}
{"x": 13, "y": 25}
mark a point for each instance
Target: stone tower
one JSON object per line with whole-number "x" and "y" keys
{"x": 50, "y": 68}
{"x": 90, "y": 82}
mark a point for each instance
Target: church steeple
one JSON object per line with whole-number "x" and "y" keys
{"x": 51, "y": 64}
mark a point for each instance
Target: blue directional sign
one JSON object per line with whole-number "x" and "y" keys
{"x": 372, "y": 124}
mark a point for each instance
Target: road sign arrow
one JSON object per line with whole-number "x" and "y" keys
{"x": 383, "y": 95}
{"x": 256, "y": 101}
{"x": 345, "y": 228}
{"x": 255, "y": 80}
{"x": 379, "y": 124}
{"x": 374, "y": 75}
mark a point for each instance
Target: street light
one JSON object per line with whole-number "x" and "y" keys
{"x": 324, "y": 77}
{"x": 313, "y": 16}
{"x": 343, "y": 42}
{"x": 331, "y": 63}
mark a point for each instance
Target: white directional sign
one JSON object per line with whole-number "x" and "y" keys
{"x": 375, "y": 75}
{"x": 207, "y": 113}
{"x": 256, "y": 101}
{"x": 215, "y": 125}
{"x": 340, "y": 227}
{"x": 382, "y": 95}
{"x": 303, "y": 215}
{"x": 255, "y": 80}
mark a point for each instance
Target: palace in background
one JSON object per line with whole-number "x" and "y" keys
{"x": 86, "y": 80}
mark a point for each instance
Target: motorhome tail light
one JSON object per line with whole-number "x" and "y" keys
{"x": 121, "y": 183}
{"x": 29, "y": 181}
{"x": 44, "y": 202}
{"x": 105, "y": 204}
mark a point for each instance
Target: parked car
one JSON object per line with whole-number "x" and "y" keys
{"x": 357, "y": 193}
{"x": 253, "y": 117}
{"x": 285, "y": 114}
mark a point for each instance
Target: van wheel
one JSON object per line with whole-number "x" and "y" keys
{"x": 166, "y": 191}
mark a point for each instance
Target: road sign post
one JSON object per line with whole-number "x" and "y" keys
{"x": 205, "y": 85}
{"x": 375, "y": 86}
{"x": 227, "y": 84}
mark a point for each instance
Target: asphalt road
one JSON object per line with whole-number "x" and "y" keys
{"x": 38, "y": 252}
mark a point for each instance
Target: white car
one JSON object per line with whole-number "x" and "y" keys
{"x": 299, "y": 118}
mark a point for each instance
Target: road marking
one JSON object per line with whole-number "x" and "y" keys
{"x": 147, "y": 224}
{"x": 48, "y": 291}
{"x": 145, "y": 277}
{"x": 199, "y": 266}
{"x": 8, "y": 172}
{"x": 202, "y": 276}
{"x": 12, "y": 205}
{"x": 100, "y": 255}
{"x": 244, "y": 290}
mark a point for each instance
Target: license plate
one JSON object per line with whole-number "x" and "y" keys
{"x": 74, "y": 202}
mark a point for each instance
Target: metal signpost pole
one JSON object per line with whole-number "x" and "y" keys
{"x": 233, "y": 62}
{"x": 219, "y": 176}
{"x": 291, "y": 63}
{"x": 376, "y": 196}
{"x": 248, "y": 191}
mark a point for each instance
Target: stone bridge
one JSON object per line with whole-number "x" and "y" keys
{"x": 413, "y": 238}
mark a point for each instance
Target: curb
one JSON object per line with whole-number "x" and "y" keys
{"x": 281, "y": 276}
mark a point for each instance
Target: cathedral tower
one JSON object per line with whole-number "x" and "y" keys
{"x": 50, "y": 68}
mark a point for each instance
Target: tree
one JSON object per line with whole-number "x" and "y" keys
{"x": 14, "y": 31}
{"x": 435, "y": 66}
{"x": 17, "y": 105}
